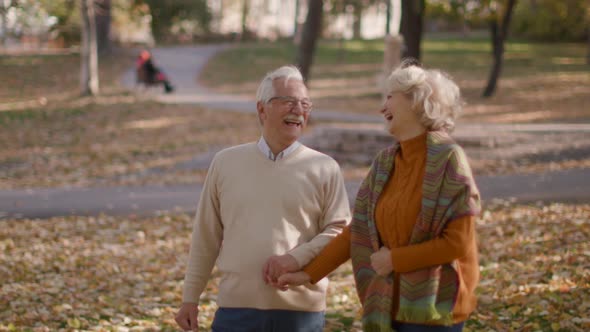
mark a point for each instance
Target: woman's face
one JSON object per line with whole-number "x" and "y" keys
{"x": 399, "y": 114}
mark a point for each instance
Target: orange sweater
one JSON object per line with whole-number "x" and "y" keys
{"x": 395, "y": 215}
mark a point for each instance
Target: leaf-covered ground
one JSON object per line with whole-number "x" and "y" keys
{"x": 112, "y": 140}
{"x": 125, "y": 274}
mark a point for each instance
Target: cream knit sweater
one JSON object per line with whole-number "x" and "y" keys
{"x": 252, "y": 208}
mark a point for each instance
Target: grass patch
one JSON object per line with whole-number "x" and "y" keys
{"x": 539, "y": 82}
{"x": 251, "y": 60}
{"x": 30, "y": 77}
{"x": 115, "y": 273}
{"x": 8, "y": 118}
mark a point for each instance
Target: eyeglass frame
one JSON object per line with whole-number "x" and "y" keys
{"x": 294, "y": 101}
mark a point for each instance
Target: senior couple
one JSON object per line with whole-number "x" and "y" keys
{"x": 274, "y": 218}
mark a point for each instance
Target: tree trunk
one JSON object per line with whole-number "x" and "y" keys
{"x": 4, "y": 27}
{"x": 498, "y": 35}
{"x": 357, "y": 20}
{"x": 388, "y": 18}
{"x": 588, "y": 55}
{"x": 245, "y": 10}
{"x": 296, "y": 25}
{"x": 311, "y": 32}
{"x": 88, "y": 53}
{"x": 411, "y": 26}
{"x": 103, "y": 25}
{"x": 4, "y": 5}
{"x": 497, "y": 50}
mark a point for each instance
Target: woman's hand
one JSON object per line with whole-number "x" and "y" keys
{"x": 381, "y": 261}
{"x": 292, "y": 279}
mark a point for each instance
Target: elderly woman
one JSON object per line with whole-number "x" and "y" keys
{"x": 412, "y": 237}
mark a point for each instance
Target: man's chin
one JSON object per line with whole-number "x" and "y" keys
{"x": 291, "y": 138}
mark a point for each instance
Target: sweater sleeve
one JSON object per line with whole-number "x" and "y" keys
{"x": 456, "y": 241}
{"x": 332, "y": 256}
{"x": 335, "y": 216}
{"x": 206, "y": 240}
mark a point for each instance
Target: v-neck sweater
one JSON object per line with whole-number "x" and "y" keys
{"x": 252, "y": 208}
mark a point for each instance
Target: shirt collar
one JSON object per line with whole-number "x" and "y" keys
{"x": 265, "y": 149}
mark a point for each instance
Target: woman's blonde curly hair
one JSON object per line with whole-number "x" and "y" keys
{"x": 434, "y": 94}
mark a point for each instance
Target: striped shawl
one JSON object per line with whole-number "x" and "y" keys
{"x": 448, "y": 192}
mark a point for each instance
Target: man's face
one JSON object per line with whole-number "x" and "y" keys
{"x": 285, "y": 116}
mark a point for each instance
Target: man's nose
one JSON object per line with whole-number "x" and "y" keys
{"x": 298, "y": 108}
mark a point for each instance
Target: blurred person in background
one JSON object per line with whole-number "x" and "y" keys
{"x": 148, "y": 74}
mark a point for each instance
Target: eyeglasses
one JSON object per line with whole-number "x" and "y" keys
{"x": 288, "y": 103}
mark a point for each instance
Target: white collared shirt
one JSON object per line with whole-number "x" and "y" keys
{"x": 265, "y": 149}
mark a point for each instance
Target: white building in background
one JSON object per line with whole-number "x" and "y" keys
{"x": 26, "y": 26}
{"x": 266, "y": 18}
{"x": 276, "y": 18}
{"x": 137, "y": 31}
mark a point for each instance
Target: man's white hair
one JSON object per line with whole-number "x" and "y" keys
{"x": 434, "y": 94}
{"x": 266, "y": 88}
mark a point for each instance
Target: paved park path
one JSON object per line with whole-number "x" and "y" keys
{"x": 562, "y": 186}
{"x": 183, "y": 65}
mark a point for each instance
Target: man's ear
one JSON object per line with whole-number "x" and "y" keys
{"x": 261, "y": 111}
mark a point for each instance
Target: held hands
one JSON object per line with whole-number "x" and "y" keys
{"x": 381, "y": 261}
{"x": 276, "y": 272}
{"x": 292, "y": 279}
{"x": 186, "y": 317}
{"x": 276, "y": 266}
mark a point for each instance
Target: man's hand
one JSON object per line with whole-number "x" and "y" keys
{"x": 381, "y": 261}
{"x": 276, "y": 266}
{"x": 292, "y": 279}
{"x": 187, "y": 317}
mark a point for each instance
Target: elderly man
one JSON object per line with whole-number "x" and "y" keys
{"x": 266, "y": 208}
